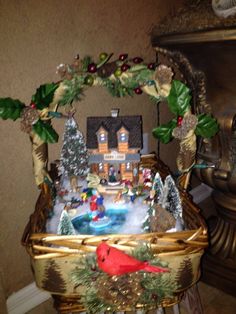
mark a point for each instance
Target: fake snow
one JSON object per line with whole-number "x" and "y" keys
{"x": 135, "y": 212}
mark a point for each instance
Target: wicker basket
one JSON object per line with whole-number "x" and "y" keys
{"x": 65, "y": 251}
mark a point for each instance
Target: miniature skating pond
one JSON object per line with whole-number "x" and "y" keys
{"x": 112, "y": 222}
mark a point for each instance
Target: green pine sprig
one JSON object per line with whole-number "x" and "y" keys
{"x": 94, "y": 304}
{"x": 86, "y": 272}
{"x": 157, "y": 288}
{"x": 73, "y": 90}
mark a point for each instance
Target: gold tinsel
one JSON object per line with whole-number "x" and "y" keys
{"x": 29, "y": 117}
{"x": 121, "y": 291}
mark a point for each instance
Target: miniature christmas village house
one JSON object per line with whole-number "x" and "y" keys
{"x": 114, "y": 143}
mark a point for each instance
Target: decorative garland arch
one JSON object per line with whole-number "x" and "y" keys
{"x": 122, "y": 77}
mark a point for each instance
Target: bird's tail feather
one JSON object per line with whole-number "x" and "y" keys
{"x": 155, "y": 269}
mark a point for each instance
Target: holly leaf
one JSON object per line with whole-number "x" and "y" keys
{"x": 164, "y": 132}
{"x": 44, "y": 95}
{"x": 179, "y": 98}
{"x": 10, "y": 108}
{"x": 45, "y": 131}
{"x": 207, "y": 126}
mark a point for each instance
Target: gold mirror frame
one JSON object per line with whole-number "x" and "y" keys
{"x": 219, "y": 264}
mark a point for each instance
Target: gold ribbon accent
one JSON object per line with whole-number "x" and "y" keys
{"x": 187, "y": 152}
{"x": 39, "y": 147}
{"x": 40, "y": 158}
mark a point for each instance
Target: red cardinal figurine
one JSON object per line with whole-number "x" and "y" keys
{"x": 116, "y": 262}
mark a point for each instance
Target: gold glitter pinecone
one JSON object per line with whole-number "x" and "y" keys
{"x": 29, "y": 116}
{"x": 122, "y": 291}
{"x": 163, "y": 75}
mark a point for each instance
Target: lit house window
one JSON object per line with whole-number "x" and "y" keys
{"x": 123, "y": 137}
{"x": 128, "y": 166}
{"x": 102, "y": 137}
{"x": 100, "y": 167}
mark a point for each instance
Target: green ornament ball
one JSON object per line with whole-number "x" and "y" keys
{"x": 103, "y": 56}
{"x": 118, "y": 72}
{"x": 89, "y": 80}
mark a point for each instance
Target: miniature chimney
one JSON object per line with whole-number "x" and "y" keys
{"x": 115, "y": 112}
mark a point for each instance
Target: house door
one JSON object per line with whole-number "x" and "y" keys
{"x": 114, "y": 172}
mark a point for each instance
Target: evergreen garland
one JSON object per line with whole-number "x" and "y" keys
{"x": 122, "y": 77}
{"x": 73, "y": 90}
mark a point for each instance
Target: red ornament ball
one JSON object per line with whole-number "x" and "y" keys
{"x": 151, "y": 66}
{"x": 92, "y": 68}
{"x": 125, "y": 67}
{"x": 138, "y": 91}
{"x": 179, "y": 121}
{"x": 33, "y": 105}
{"x": 123, "y": 56}
{"x": 137, "y": 60}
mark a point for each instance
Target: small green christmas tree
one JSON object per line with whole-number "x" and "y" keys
{"x": 74, "y": 155}
{"x": 65, "y": 225}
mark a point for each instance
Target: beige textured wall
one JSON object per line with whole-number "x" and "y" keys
{"x": 35, "y": 36}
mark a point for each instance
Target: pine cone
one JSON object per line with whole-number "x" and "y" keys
{"x": 190, "y": 121}
{"x": 107, "y": 69}
{"x": 163, "y": 75}
{"x": 29, "y": 117}
{"x": 120, "y": 290}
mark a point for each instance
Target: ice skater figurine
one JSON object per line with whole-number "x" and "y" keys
{"x": 93, "y": 202}
{"x": 100, "y": 199}
{"x": 101, "y": 208}
{"x": 84, "y": 197}
{"x": 131, "y": 193}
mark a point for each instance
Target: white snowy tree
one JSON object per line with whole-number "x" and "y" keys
{"x": 65, "y": 225}
{"x": 157, "y": 185}
{"x": 167, "y": 196}
{"x": 74, "y": 155}
{"x": 171, "y": 198}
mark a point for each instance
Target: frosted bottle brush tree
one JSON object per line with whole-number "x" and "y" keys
{"x": 65, "y": 226}
{"x": 74, "y": 155}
